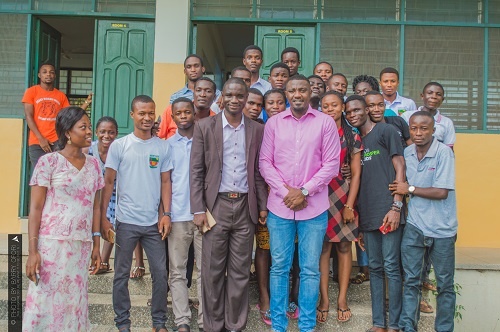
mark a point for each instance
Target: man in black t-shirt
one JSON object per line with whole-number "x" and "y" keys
{"x": 376, "y": 107}
{"x": 379, "y": 211}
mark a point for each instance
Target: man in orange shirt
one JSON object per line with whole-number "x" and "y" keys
{"x": 203, "y": 98}
{"x": 42, "y": 103}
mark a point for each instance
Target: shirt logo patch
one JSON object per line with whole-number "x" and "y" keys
{"x": 153, "y": 161}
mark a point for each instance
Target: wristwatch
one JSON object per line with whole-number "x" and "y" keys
{"x": 168, "y": 214}
{"x": 304, "y": 191}
{"x": 411, "y": 189}
{"x": 397, "y": 204}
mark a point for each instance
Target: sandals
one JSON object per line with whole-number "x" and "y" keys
{"x": 342, "y": 312}
{"x": 359, "y": 279}
{"x": 292, "y": 311}
{"x": 321, "y": 315}
{"x": 265, "y": 315}
{"x": 104, "y": 268}
{"x": 138, "y": 272}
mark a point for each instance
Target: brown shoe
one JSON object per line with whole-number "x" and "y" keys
{"x": 425, "y": 307}
{"x": 429, "y": 286}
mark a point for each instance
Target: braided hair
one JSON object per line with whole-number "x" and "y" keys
{"x": 348, "y": 133}
{"x": 372, "y": 81}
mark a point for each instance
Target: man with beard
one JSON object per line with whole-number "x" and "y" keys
{"x": 300, "y": 155}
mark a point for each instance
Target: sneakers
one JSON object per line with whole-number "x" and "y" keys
{"x": 292, "y": 311}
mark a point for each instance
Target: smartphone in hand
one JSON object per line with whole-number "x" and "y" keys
{"x": 385, "y": 229}
{"x": 37, "y": 279}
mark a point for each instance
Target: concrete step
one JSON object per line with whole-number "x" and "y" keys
{"x": 103, "y": 284}
{"x": 101, "y": 314}
{"x": 101, "y": 310}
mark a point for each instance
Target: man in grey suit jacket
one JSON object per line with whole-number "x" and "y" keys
{"x": 225, "y": 179}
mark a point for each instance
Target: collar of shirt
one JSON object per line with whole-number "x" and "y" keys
{"x": 185, "y": 89}
{"x": 310, "y": 110}
{"x": 178, "y": 137}
{"x": 184, "y": 92}
{"x": 437, "y": 117}
{"x": 397, "y": 100}
{"x": 226, "y": 123}
{"x": 431, "y": 153}
{"x": 262, "y": 85}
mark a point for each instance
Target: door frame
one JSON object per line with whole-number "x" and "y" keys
{"x": 293, "y": 25}
{"x": 30, "y": 79}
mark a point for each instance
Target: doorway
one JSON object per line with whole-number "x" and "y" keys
{"x": 111, "y": 58}
{"x": 221, "y": 46}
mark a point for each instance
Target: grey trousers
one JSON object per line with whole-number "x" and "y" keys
{"x": 227, "y": 247}
{"x": 35, "y": 152}
{"x": 179, "y": 240}
{"x": 127, "y": 236}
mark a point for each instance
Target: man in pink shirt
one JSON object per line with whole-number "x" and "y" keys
{"x": 299, "y": 156}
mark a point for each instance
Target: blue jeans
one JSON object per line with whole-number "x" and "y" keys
{"x": 442, "y": 255}
{"x": 361, "y": 256}
{"x": 282, "y": 233}
{"x": 384, "y": 261}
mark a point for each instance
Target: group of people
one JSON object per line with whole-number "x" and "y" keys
{"x": 291, "y": 164}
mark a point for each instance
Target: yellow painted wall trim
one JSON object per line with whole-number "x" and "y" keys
{"x": 11, "y": 138}
{"x": 477, "y": 184}
{"x": 168, "y": 78}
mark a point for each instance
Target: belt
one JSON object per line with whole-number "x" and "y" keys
{"x": 232, "y": 195}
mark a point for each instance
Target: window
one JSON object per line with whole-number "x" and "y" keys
{"x": 444, "y": 10}
{"x": 127, "y": 6}
{"x": 12, "y": 64}
{"x": 493, "y": 122}
{"x": 452, "y": 56}
{"x": 222, "y": 8}
{"x": 356, "y": 49}
{"x": 15, "y": 4}
{"x": 387, "y": 10}
{"x": 63, "y": 5}
{"x": 305, "y": 9}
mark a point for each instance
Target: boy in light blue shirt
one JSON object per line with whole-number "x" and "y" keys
{"x": 431, "y": 224}
{"x": 184, "y": 232}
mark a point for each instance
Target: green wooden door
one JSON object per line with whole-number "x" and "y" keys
{"x": 273, "y": 39}
{"x": 123, "y": 69}
{"x": 47, "y": 48}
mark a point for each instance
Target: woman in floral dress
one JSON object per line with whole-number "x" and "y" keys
{"x": 63, "y": 229}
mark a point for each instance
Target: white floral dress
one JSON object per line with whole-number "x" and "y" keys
{"x": 60, "y": 301}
